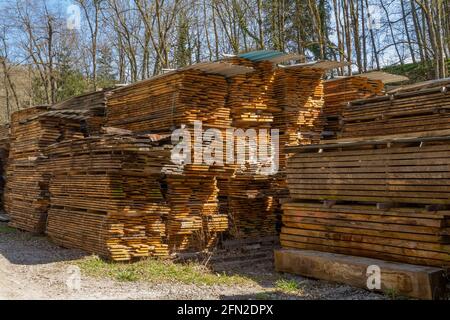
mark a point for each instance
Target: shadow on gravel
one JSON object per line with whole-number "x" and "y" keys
{"x": 23, "y": 248}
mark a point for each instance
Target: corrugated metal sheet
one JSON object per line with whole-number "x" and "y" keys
{"x": 422, "y": 85}
{"x": 261, "y": 55}
{"x": 384, "y": 77}
{"x": 375, "y": 75}
{"x": 270, "y": 55}
{"x": 222, "y": 68}
{"x": 325, "y": 65}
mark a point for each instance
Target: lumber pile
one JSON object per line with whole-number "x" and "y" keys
{"x": 163, "y": 103}
{"x": 339, "y": 92}
{"x": 106, "y": 196}
{"x": 245, "y": 196}
{"x": 194, "y": 221}
{"x": 251, "y": 95}
{"x": 4, "y": 153}
{"x": 382, "y": 190}
{"x": 92, "y": 106}
{"x": 299, "y": 92}
{"x": 25, "y": 195}
{"x": 404, "y": 234}
{"x": 122, "y": 194}
{"x": 409, "y": 111}
{"x": 251, "y": 206}
{"x": 402, "y": 171}
{"x": 384, "y": 198}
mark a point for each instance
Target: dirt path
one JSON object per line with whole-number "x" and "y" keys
{"x": 33, "y": 268}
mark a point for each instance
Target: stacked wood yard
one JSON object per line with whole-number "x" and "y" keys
{"x": 415, "y": 235}
{"x": 26, "y": 191}
{"x": 245, "y": 196}
{"x": 26, "y": 198}
{"x": 399, "y": 171}
{"x": 339, "y": 92}
{"x": 168, "y": 102}
{"x": 251, "y": 206}
{"x": 194, "y": 220}
{"x": 119, "y": 196}
{"x": 380, "y": 194}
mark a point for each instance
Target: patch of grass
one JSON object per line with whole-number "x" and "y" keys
{"x": 6, "y": 229}
{"x": 153, "y": 270}
{"x": 286, "y": 285}
{"x": 127, "y": 275}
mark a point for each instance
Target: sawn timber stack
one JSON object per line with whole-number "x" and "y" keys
{"x": 423, "y": 110}
{"x": 106, "y": 196}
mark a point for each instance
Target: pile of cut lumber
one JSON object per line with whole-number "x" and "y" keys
{"x": 194, "y": 220}
{"x": 339, "y": 92}
{"x": 106, "y": 196}
{"x": 404, "y": 234}
{"x": 249, "y": 202}
{"x": 92, "y": 106}
{"x": 408, "y": 112}
{"x": 25, "y": 197}
{"x": 385, "y": 198}
{"x": 299, "y": 94}
{"x": 251, "y": 95}
{"x": 4, "y": 153}
{"x": 245, "y": 196}
{"x": 400, "y": 171}
{"x": 164, "y": 103}
{"x": 32, "y": 130}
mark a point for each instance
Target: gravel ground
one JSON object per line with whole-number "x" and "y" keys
{"x": 33, "y": 268}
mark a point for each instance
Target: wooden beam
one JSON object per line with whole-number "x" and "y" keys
{"x": 404, "y": 279}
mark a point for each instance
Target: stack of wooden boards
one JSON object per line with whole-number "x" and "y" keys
{"x": 96, "y": 180}
{"x": 339, "y": 92}
{"x": 194, "y": 221}
{"x": 4, "y": 153}
{"x": 250, "y": 205}
{"x": 164, "y": 103}
{"x": 299, "y": 93}
{"x": 26, "y": 191}
{"x": 106, "y": 196}
{"x": 380, "y": 197}
{"x": 251, "y": 99}
{"x": 90, "y": 105}
{"x": 32, "y": 130}
{"x": 422, "y": 109}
